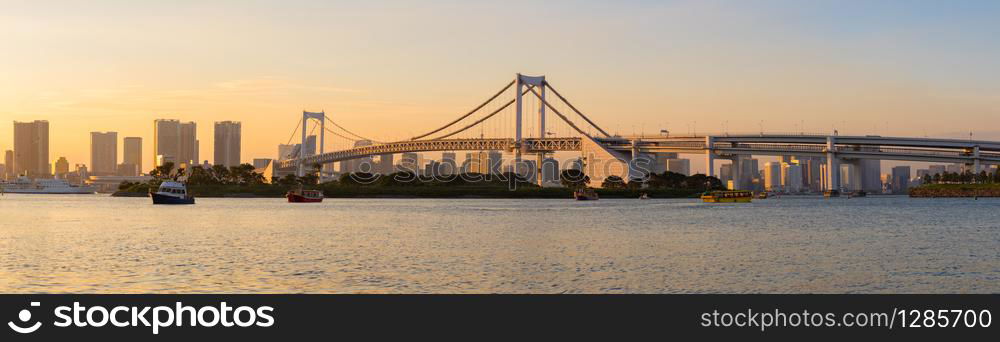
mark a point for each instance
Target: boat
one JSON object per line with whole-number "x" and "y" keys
{"x": 859, "y": 193}
{"x": 727, "y": 196}
{"x": 762, "y": 195}
{"x": 831, "y": 193}
{"x": 586, "y": 194}
{"x": 304, "y": 196}
{"x": 644, "y": 196}
{"x": 25, "y": 185}
{"x": 171, "y": 192}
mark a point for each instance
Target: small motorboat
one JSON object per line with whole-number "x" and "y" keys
{"x": 304, "y": 196}
{"x": 859, "y": 193}
{"x": 644, "y": 196}
{"x": 762, "y": 195}
{"x": 586, "y": 194}
{"x": 171, "y": 192}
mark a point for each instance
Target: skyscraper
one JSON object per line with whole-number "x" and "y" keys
{"x": 900, "y": 179}
{"x": 681, "y": 166}
{"x": 772, "y": 176}
{"x": 61, "y": 168}
{"x": 448, "y": 164}
{"x": 285, "y": 151}
{"x": 227, "y": 143}
{"x": 31, "y": 148}
{"x": 175, "y": 142}
{"x": 8, "y": 161}
{"x": 103, "y": 153}
{"x": 363, "y": 164}
{"x": 133, "y": 153}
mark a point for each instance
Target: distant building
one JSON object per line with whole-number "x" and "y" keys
{"x": 385, "y": 164}
{"x": 260, "y": 163}
{"x": 448, "y": 164}
{"x": 8, "y": 161}
{"x": 31, "y": 149}
{"x": 228, "y": 140}
{"x": 681, "y": 166}
{"x": 772, "y": 176}
{"x": 356, "y": 165}
{"x": 127, "y": 170}
{"x": 550, "y": 171}
{"x": 175, "y": 142}
{"x": 62, "y": 167}
{"x": 132, "y": 154}
{"x": 900, "y": 179}
{"x": 791, "y": 177}
{"x": 410, "y": 162}
{"x": 103, "y": 153}
{"x": 726, "y": 173}
{"x": 850, "y": 177}
{"x": 285, "y": 151}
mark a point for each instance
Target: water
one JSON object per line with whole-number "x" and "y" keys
{"x": 100, "y": 244}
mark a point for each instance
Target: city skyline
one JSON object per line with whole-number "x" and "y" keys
{"x": 687, "y": 66}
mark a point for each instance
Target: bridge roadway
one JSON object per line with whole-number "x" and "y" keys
{"x": 971, "y": 152}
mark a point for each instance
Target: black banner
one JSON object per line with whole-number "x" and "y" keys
{"x": 516, "y": 317}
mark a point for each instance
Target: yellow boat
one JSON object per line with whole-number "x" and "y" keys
{"x": 727, "y": 197}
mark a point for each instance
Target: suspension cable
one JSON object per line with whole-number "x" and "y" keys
{"x": 530, "y": 87}
{"x": 351, "y": 133}
{"x": 547, "y": 84}
{"x": 560, "y": 114}
{"x": 293, "y": 132}
{"x": 469, "y": 113}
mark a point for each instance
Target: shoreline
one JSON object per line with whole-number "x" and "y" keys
{"x": 956, "y": 190}
{"x": 431, "y": 192}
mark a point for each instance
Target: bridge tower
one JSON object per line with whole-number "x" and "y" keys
{"x": 536, "y": 82}
{"x": 321, "y": 117}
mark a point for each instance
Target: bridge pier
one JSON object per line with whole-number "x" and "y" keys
{"x": 710, "y": 156}
{"x": 832, "y": 166}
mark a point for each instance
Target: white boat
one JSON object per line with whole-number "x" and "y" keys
{"x": 24, "y": 185}
{"x": 171, "y": 193}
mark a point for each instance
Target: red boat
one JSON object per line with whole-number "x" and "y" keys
{"x": 304, "y": 196}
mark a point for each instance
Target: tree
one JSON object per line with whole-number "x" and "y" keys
{"x": 162, "y": 172}
{"x": 613, "y": 182}
{"x": 573, "y": 179}
{"x": 701, "y": 181}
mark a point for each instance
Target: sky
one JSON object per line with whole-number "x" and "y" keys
{"x": 392, "y": 69}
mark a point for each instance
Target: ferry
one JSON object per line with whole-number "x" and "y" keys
{"x": 304, "y": 196}
{"x": 727, "y": 197}
{"x": 586, "y": 194}
{"x": 172, "y": 193}
{"x": 24, "y": 185}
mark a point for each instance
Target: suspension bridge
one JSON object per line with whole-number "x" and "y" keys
{"x": 517, "y": 119}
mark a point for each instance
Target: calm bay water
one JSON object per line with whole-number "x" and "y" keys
{"x": 102, "y": 244}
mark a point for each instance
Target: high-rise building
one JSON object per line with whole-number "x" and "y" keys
{"x": 900, "y": 179}
{"x": 385, "y": 164}
{"x": 228, "y": 139}
{"x": 103, "y": 153}
{"x": 448, "y": 164}
{"x": 550, "y": 171}
{"x": 363, "y": 164}
{"x": 61, "y": 168}
{"x": 681, "y": 166}
{"x": 871, "y": 171}
{"x": 410, "y": 162}
{"x": 260, "y": 163}
{"x": 791, "y": 177}
{"x": 285, "y": 151}
{"x": 850, "y": 177}
{"x": 132, "y": 154}
{"x": 31, "y": 148}
{"x": 772, "y": 176}
{"x": 175, "y": 142}
{"x": 8, "y": 161}
{"x": 936, "y": 169}
{"x": 490, "y": 162}
{"x": 726, "y": 173}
